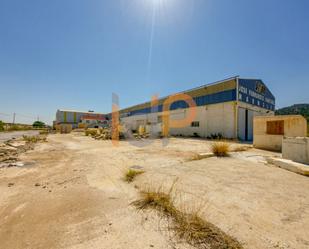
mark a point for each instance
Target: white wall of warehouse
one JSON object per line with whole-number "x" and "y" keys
{"x": 213, "y": 119}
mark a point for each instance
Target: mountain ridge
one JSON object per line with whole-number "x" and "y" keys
{"x": 300, "y": 109}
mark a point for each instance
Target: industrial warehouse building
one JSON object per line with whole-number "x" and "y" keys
{"x": 224, "y": 108}
{"x": 75, "y": 118}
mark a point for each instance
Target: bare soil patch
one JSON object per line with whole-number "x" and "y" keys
{"x": 74, "y": 196}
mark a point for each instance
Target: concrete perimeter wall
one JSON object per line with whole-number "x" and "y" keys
{"x": 296, "y": 149}
{"x": 287, "y": 125}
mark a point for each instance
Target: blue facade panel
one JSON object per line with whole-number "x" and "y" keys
{"x": 215, "y": 98}
{"x": 256, "y": 93}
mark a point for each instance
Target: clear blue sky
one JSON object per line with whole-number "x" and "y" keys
{"x": 75, "y": 53}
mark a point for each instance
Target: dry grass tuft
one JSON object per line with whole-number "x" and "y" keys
{"x": 201, "y": 234}
{"x": 34, "y": 139}
{"x": 156, "y": 200}
{"x": 131, "y": 174}
{"x": 189, "y": 227}
{"x": 220, "y": 149}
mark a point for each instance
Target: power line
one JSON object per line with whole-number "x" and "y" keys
{"x": 26, "y": 116}
{"x": 15, "y": 116}
{"x": 5, "y": 114}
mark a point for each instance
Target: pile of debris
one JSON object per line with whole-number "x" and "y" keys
{"x": 99, "y": 133}
{"x": 106, "y": 133}
{"x": 10, "y": 150}
{"x": 102, "y": 133}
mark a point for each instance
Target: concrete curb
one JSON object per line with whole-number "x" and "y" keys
{"x": 298, "y": 168}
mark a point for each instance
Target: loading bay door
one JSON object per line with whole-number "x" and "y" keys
{"x": 245, "y": 124}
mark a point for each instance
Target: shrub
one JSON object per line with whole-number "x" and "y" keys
{"x": 131, "y": 174}
{"x": 196, "y": 134}
{"x": 1, "y": 126}
{"x": 38, "y": 124}
{"x": 220, "y": 149}
{"x": 215, "y": 136}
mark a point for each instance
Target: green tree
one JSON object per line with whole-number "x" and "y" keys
{"x": 1, "y": 126}
{"x": 38, "y": 124}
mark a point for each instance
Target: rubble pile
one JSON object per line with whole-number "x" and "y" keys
{"x": 10, "y": 150}
{"x": 101, "y": 133}
{"x": 106, "y": 133}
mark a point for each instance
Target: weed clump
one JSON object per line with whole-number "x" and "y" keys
{"x": 220, "y": 149}
{"x": 189, "y": 227}
{"x": 131, "y": 174}
{"x": 34, "y": 139}
{"x": 156, "y": 200}
{"x": 1, "y": 126}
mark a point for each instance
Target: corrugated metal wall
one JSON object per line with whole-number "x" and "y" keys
{"x": 212, "y": 94}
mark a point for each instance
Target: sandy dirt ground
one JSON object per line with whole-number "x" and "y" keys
{"x": 71, "y": 195}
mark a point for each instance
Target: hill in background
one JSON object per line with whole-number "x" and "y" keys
{"x": 302, "y": 109}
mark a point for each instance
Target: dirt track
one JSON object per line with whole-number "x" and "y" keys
{"x": 72, "y": 196}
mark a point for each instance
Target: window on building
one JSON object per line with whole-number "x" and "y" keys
{"x": 275, "y": 127}
{"x": 195, "y": 124}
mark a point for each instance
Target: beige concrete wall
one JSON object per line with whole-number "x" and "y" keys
{"x": 294, "y": 126}
{"x": 213, "y": 119}
{"x": 296, "y": 149}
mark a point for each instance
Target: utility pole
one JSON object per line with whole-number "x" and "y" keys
{"x": 14, "y": 116}
{"x": 38, "y": 118}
